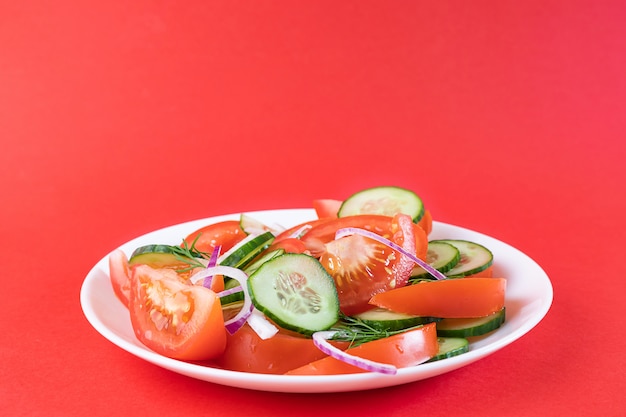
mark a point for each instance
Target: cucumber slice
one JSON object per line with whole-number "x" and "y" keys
{"x": 383, "y": 200}
{"x": 250, "y": 225}
{"x": 162, "y": 256}
{"x": 441, "y": 255}
{"x": 385, "y": 320}
{"x": 449, "y": 347}
{"x": 295, "y": 291}
{"x": 240, "y": 255}
{"x": 475, "y": 258}
{"x": 260, "y": 261}
{"x": 471, "y": 327}
{"x": 232, "y": 283}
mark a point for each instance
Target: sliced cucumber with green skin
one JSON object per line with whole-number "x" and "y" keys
{"x": 385, "y": 320}
{"x": 232, "y": 283}
{"x": 475, "y": 258}
{"x": 449, "y": 347}
{"x": 240, "y": 255}
{"x": 441, "y": 255}
{"x": 471, "y": 327}
{"x": 160, "y": 256}
{"x": 384, "y": 200}
{"x": 295, "y": 291}
{"x": 264, "y": 258}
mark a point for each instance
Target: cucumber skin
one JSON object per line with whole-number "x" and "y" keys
{"x": 346, "y": 210}
{"x": 392, "y": 323}
{"x": 415, "y": 277}
{"x": 446, "y": 351}
{"x": 496, "y": 322}
{"x": 455, "y": 274}
{"x": 274, "y": 313}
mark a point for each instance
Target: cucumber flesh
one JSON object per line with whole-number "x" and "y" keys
{"x": 384, "y": 200}
{"x": 441, "y": 255}
{"x": 449, "y": 347}
{"x": 162, "y": 256}
{"x": 260, "y": 261}
{"x": 295, "y": 291}
{"x": 475, "y": 258}
{"x": 385, "y": 320}
{"x": 472, "y": 326}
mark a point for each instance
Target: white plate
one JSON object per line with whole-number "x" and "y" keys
{"x": 528, "y": 299}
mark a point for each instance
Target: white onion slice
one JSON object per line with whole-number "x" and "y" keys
{"x": 298, "y": 233}
{"x": 261, "y": 325}
{"x": 357, "y": 231}
{"x": 320, "y": 339}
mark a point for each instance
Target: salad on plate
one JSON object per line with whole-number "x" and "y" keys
{"x": 361, "y": 288}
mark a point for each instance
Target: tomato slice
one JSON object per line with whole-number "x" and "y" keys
{"x": 174, "y": 319}
{"x": 225, "y": 234}
{"x": 401, "y": 350}
{"x": 289, "y": 233}
{"x": 119, "y": 273}
{"x": 327, "y": 207}
{"x": 289, "y": 245}
{"x": 247, "y": 352}
{"x": 361, "y": 266}
{"x": 426, "y": 222}
{"x": 449, "y": 298}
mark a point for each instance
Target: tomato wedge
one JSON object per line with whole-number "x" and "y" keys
{"x": 174, "y": 319}
{"x": 289, "y": 245}
{"x": 426, "y": 222}
{"x": 225, "y": 234}
{"x": 327, "y": 207}
{"x": 401, "y": 350}
{"x": 449, "y": 298}
{"x": 361, "y": 266}
{"x": 119, "y": 273}
{"x": 247, "y": 352}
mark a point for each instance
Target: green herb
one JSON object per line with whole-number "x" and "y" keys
{"x": 189, "y": 255}
{"x": 356, "y": 331}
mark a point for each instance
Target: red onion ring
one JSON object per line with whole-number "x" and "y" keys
{"x": 320, "y": 339}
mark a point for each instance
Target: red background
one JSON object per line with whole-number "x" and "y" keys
{"x": 118, "y": 118}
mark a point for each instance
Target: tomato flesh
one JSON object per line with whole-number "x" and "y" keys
{"x": 119, "y": 273}
{"x": 174, "y": 319}
{"x": 225, "y": 234}
{"x": 401, "y": 350}
{"x": 361, "y": 266}
{"x": 449, "y": 298}
{"x": 247, "y": 352}
{"x": 325, "y": 208}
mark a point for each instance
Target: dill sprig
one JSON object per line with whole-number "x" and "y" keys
{"x": 356, "y": 331}
{"x": 189, "y": 255}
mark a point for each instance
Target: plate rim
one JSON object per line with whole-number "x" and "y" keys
{"x": 297, "y": 383}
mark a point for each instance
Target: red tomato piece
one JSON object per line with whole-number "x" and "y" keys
{"x": 289, "y": 245}
{"x": 174, "y": 319}
{"x": 448, "y": 298}
{"x": 426, "y": 222}
{"x": 302, "y": 227}
{"x": 247, "y": 352}
{"x": 326, "y": 208}
{"x": 401, "y": 350}
{"x": 119, "y": 273}
{"x": 361, "y": 266}
{"x": 225, "y": 234}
